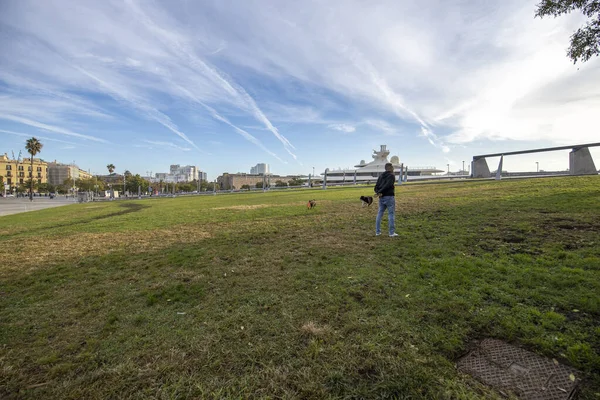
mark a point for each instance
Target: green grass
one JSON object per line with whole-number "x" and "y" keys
{"x": 253, "y": 296}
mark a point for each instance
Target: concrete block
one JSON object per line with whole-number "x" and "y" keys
{"x": 480, "y": 168}
{"x": 581, "y": 162}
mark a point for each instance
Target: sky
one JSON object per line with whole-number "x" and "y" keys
{"x": 225, "y": 84}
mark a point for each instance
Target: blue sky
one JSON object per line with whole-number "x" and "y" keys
{"x": 296, "y": 84}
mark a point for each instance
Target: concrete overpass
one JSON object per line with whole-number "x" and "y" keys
{"x": 580, "y": 160}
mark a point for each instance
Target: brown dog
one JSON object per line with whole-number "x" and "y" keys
{"x": 311, "y": 204}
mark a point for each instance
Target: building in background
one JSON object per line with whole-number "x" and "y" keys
{"x": 58, "y": 173}
{"x": 160, "y": 176}
{"x": 187, "y": 173}
{"x": 178, "y": 174}
{"x": 112, "y": 179}
{"x": 260, "y": 169}
{"x": 202, "y": 176}
{"x": 18, "y": 172}
{"x": 83, "y": 174}
{"x": 229, "y": 181}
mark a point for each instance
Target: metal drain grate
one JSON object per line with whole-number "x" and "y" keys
{"x": 510, "y": 369}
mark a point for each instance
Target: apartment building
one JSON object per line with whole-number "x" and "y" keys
{"x": 58, "y": 173}
{"x": 179, "y": 174}
{"x": 236, "y": 181}
{"x": 18, "y": 172}
{"x": 259, "y": 169}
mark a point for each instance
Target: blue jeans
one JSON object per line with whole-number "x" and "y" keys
{"x": 388, "y": 202}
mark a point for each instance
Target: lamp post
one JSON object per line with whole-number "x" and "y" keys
{"x": 463, "y": 170}
{"x": 448, "y": 165}
{"x": 537, "y": 166}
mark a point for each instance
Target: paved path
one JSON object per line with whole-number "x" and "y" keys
{"x": 12, "y": 205}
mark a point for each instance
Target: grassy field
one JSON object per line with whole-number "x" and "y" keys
{"x": 252, "y": 296}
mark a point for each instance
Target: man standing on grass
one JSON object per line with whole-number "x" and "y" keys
{"x": 384, "y": 189}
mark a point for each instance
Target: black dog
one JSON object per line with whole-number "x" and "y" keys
{"x": 311, "y": 204}
{"x": 366, "y": 200}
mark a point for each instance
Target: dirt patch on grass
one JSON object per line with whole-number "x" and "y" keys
{"x": 43, "y": 251}
{"x": 312, "y": 329}
{"x": 513, "y": 239}
{"x": 244, "y": 207}
{"x": 571, "y": 224}
{"x": 577, "y": 226}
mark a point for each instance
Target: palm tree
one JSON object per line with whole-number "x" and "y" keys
{"x": 111, "y": 168}
{"x": 33, "y": 146}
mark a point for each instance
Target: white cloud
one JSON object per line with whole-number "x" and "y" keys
{"x": 383, "y": 126}
{"x": 446, "y": 72}
{"x": 123, "y": 95}
{"x": 29, "y": 135}
{"x": 134, "y": 52}
{"x": 50, "y": 128}
{"x": 342, "y": 127}
{"x": 460, "y": 70}
{"x": 183, "y": 50}
{"x": 166, "y": 144}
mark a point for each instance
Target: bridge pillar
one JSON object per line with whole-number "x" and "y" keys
{"x": 480, "y": 168}
{"x": 499, "y": 170}
{"x": 581, "y": 162}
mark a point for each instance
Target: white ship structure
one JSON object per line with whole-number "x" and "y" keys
{"x": 369, "y": 172}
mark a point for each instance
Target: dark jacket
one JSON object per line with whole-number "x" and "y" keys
{"x": 385, "y": 184}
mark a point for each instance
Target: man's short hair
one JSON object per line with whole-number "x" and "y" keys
{"x": 389, "y": 166}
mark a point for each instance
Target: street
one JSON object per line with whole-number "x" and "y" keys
{"x": 13, "y": 205}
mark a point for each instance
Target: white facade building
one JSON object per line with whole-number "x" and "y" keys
{"x": 259, "y": 169}
{"x": 178, "y": 174}
{"x": 187, "y": 173}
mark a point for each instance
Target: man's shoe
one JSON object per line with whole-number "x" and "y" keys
{"x": 378, "y": 234}
{"x": 394, "y": 235}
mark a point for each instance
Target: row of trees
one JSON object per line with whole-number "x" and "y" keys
{"x": 132, "y": 183}
{"x": 97, "y": 185}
